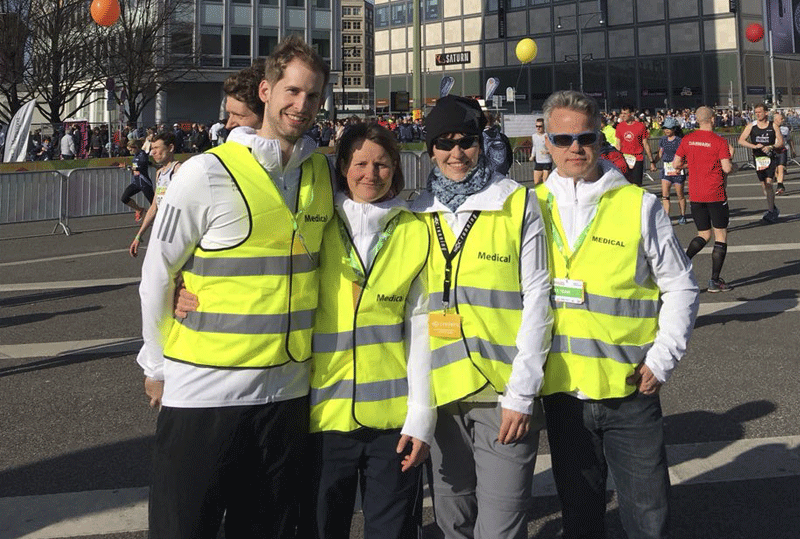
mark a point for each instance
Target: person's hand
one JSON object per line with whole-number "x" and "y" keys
{"x": 185, "y": 302}
{"x": 155, "y": 390}
{"x": 134, "y": 248}
{"x": 644, "y": 380}
{"x": 652, "y": 167}
{"x": 514, "y": 426}
{"x": 419, "y": 452}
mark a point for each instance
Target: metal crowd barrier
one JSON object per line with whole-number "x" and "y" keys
{"x": 84, "y": 192}
{"x": 33, "y": 196}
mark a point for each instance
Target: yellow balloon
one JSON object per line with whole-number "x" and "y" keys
{"x": 526, "y": 50}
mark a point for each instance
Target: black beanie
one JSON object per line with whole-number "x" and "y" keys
{"x": 453, "y": 114}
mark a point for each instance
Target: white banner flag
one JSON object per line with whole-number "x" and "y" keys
{"x": 17, "y": 136}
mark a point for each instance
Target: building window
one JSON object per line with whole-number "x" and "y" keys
{"x": 356, "y": 25}
{"x": 268, "y": 2}
{"x": 431, "y": 10}
{"x": 322, "y": 4}
{"x": 399, "y": 14}
{"x": 517, "y": 4}
{"x": 295, "y": 3}
{"x": 240, "y": 42}
{"x": 346, "y": 25}
{"x": 267, "y": 41}
{"x": 382, "y": 17}
{"x": 211, "y": 40}
{"x": 321, "y": 46}
{"x": 356, "y": 11}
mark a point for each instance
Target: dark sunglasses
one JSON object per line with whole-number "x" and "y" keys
{"x": 447, "y": 144}
{"x": 565, "y": 140}
{"x": 539, "y": 125}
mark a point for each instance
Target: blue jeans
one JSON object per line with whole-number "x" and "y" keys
{"x": 624, "y": 436}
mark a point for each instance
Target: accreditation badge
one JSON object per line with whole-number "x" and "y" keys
{"x": 763, "y": 162}
{"x": 444, "y": 325}
{"x": 669, "y": 170}
{"x": 630, "y": 159}
{"x": 568, "y": 290}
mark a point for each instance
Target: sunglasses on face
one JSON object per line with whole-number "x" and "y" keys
{"x": 565, "y": 140}
{"x": 539, "y": 126}
{"x": 447, "y": 144}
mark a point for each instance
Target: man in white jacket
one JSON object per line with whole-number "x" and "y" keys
{"x": 625, "y": 302}
{"x": 242, "y": 223}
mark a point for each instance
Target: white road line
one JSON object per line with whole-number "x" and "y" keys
{"x": 66, "y": 285}
{"x": 65, "y": 257}
{"x": 758, "y": 248}
{"x": 757, "y": 306}
{"x": 75, "y": 514}
{"x": 55, "y": 349}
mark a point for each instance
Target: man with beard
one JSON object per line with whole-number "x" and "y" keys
{"x": 242, "y": 224}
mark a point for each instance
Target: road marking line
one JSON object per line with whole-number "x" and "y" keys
{"x": 66, "y": 285}
{"x": 98, "y": 512}
{"x": 65, "y": 257}
{"x": 756, "y": 306}
{"x": 55, "y": 349}
{"x": 757, "y": 248}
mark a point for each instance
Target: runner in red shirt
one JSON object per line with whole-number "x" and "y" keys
{"x": 708, "y": 158}
{"x": 632, "y": 136}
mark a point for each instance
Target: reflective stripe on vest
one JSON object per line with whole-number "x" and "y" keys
{"x": 486, "y": 292}
{"x": 597, "y": 344}
{"x": 257, "y": 299}
{"x": 358, "y": 371}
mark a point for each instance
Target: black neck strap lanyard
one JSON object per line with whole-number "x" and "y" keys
{"x": 450, "y": 255}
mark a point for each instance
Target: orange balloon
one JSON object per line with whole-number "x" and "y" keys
{"x": 105, "y": 12}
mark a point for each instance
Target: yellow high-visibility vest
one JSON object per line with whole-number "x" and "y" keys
{"x": 486, "y": 292}
{"x": 598, "y": 343}
{"x": 257, "y": 299}
{"x": 358, "y": 370}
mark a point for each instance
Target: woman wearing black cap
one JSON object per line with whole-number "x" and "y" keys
{"x": 488, "y": 278}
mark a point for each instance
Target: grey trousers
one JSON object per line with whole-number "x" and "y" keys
{"x": 482, "y": 488}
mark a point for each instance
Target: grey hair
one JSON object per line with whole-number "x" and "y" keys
{"x": 572, "y": 100}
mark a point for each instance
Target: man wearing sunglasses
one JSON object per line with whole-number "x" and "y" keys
{"x": 625, "y": 302}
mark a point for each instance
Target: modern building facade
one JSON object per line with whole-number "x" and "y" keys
{"x": 647, "y": 53}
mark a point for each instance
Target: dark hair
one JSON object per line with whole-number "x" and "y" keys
{"x": 167, "y": 137}
{"x": 135, "y": 143}
{"x": 243, "y": 86}
{"x": 294, "y": 47}
{"x": 373, "y": 132}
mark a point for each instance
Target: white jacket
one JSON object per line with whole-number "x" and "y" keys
{"x": 365, "y": 222}
{"x": 535, "y": 334}
{"x": 204, "y": 207}
{"x": 661, "y": 258}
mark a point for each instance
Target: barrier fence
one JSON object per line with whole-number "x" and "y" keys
{"x": 62, "y": 195}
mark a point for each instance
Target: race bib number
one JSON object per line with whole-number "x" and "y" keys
{"x": 568, "y": 291}
{"x": 444, "y": 325}
{"x": 763, "y": 162}
{"x": 669, "y": 170}
{"x": 630, "y": 160}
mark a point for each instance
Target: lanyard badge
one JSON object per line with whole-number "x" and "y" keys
{"x": 448, "y": 325}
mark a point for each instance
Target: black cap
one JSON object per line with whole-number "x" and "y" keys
{"x": 453, "y": 114}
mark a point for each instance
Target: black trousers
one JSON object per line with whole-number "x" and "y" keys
{"x": 240, "y": 461}
{"x": 391, "y": 500}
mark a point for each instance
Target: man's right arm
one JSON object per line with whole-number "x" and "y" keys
{"x": 743, "y": 138}
{"x": 178, "y": 228}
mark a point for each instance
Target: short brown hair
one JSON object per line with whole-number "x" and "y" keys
{"x": 243, "y": 86}
{"x": 294, "y": 47}
{"x": 373, "y": 132}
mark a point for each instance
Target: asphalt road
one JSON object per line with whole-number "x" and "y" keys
{"x": 76, "y": 431}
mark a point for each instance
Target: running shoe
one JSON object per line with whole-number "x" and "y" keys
{"x": 682, "y": 220}
{"x": 771, "y": 216}
{"x": 718, "y": 285}
{"x": 137, "y": 216}
{"x": 780, "y": 190}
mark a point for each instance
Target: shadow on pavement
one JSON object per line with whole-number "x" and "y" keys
{"x": 52, "y": 295}
{"x": 106, "y": 351}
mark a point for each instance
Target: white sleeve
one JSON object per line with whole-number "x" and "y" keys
{"x": 535, "y": 333}
{"x": 421, "y": 417}
{"x": 671, "y": 270}
{"x": 180, "y": 223}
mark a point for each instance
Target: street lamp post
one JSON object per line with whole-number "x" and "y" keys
{"x": 577, "y": 17}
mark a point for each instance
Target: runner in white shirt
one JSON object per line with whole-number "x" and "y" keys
{"x": 539, "y": 154}
{"x": 162, "y": 150}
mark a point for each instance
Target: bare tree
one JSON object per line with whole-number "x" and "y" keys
{"x": 13, "y": 65}
{"x": 148, "y": 49}
{"x": 62, "y": 72}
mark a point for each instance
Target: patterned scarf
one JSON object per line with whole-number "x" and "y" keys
{"x": 452, "y": 194}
